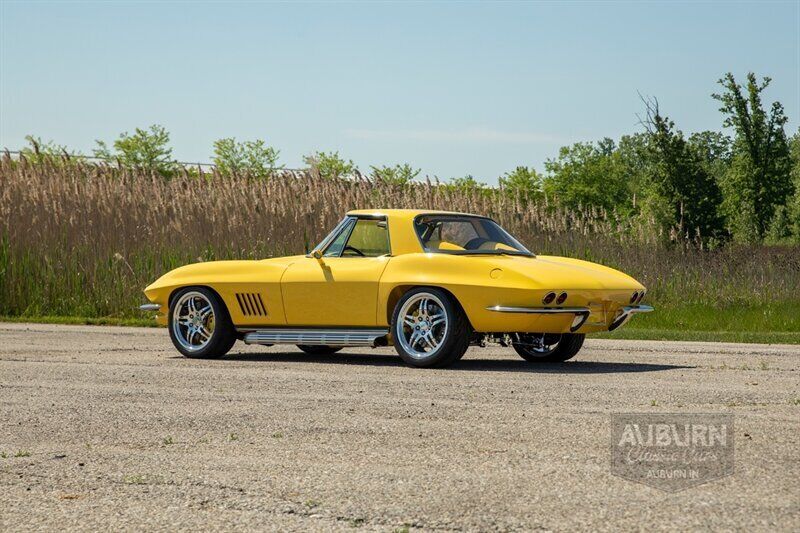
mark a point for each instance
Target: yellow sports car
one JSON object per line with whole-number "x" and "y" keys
{"x": 431, "y": 283}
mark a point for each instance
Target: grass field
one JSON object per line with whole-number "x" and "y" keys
{"x": 82, "y": 240}
{"x": 769, "y": 323}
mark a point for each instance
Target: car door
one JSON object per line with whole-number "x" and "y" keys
{"x": 340, "y": 288}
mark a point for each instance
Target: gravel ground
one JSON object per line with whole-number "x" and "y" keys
{"x": 109, "y": 428}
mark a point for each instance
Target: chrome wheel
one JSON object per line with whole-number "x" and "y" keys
{"x": 193, "y": 321}
{"x": 422, "y": 325}
{"x": 538, "y": 344}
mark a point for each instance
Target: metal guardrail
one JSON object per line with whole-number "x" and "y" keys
{"x": 94, "y": 159}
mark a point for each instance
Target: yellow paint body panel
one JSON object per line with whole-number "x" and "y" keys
{"x": 341, "y": 291}
{"x": 362, "y": 291}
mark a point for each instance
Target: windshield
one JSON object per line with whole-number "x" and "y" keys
{"x": 328, "y": 238}
{"x": 357, "y": 237}
{"x": 465, "y": 235}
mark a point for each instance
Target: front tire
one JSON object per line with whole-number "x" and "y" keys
{"x": 549, "y": 348}
{"x": 199, "y": 324}
{"x": 429, "y": 329}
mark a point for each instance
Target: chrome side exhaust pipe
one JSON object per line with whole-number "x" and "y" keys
{"x": 325, "y": 337}
{"x": 627, "y": 312}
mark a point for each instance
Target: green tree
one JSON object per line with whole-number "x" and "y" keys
{"x": 780, "y": 229}
{"x": 38, "y": 150}
{"x": 588, "y": 175}
{"x": 683, "y": 193}
{"x": 148, "y": 149}
{"x": 793, "y": 207}
{"x": 397, "y": 175}
{"x": 467, "y": 184}
{"x": 633, "y": 160}
{"x": 252, "y": 158}
{"x": 714, "y": 150}
{"x": 758, "y": 180}
{"x": 329, "y": 165}
{"x": 523, "y": 182}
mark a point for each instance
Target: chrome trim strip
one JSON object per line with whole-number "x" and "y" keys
{"x": 539, "y": 310}
{"x": 327, "y": 337}
{"x": 583, "y": 312}
{"x": 150, "y": 307}
{"x": 627, "y": 312}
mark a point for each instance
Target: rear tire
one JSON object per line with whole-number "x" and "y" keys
{"x": 429, "y": 328}
{"x": 318, "y": 349}
{"x": 199, "y": 324}
{"x": 566, "y": 348}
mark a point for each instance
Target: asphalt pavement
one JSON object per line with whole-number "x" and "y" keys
{"x": 110, "y": 428}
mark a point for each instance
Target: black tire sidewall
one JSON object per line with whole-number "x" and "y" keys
{"x": 569, "y": 345}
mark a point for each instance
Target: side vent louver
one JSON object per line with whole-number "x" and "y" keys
{"x": 251, "y": 304}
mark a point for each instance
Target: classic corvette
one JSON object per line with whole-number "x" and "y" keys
{"x": 431, "y": 283}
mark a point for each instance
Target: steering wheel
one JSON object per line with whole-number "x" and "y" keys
{"x": 353, "y": 249}
{"x": 474, "y": 244}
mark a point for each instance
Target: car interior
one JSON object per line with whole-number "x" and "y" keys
{"x": 460, "y": 234}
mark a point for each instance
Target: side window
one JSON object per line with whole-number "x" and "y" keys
{"x": 370, "y": 238}
{"x": 334, "y": 249}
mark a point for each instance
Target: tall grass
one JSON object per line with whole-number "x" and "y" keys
{"x": 79, "y": 239}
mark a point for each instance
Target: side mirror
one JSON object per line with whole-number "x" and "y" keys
{"x": 317, "y": 254}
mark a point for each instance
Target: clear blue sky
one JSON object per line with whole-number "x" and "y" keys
{"x": 453, "y": 88}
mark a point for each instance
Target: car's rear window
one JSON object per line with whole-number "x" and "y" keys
{"x": 465, "y": 235}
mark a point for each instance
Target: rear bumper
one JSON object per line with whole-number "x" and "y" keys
{"x": 150, "y": 307}
{"x": 580, "y": 314}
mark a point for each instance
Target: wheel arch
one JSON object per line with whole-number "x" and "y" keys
{"x": 175, "y": 290}
{"x": 398, "y": 291}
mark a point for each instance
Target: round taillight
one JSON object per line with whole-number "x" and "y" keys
{"x": 548, "y": 298}
{"x": 634, "y": 297}
{"x": 561, "y": 298}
